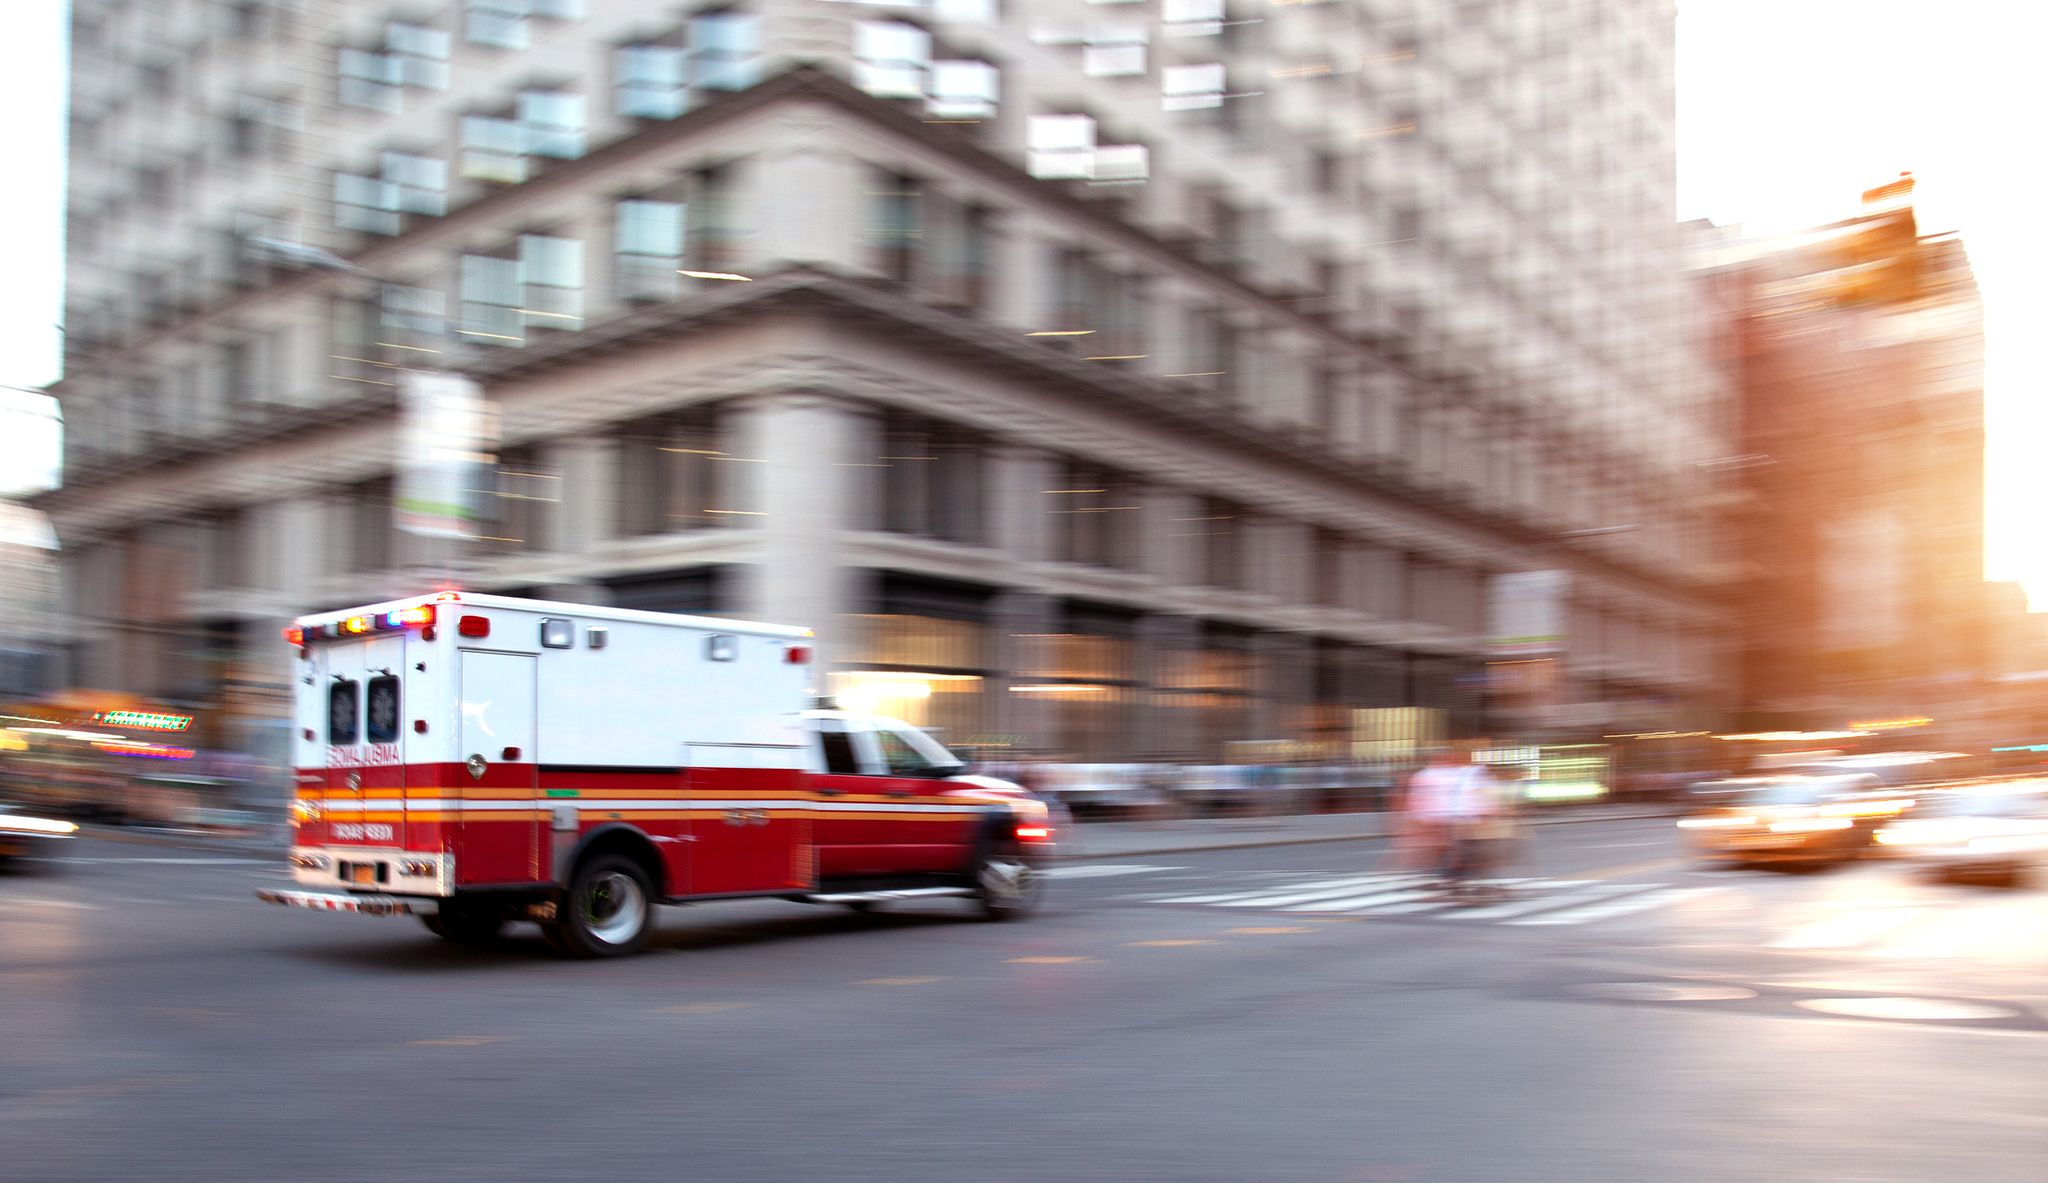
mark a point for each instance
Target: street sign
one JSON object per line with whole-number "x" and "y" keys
{"x": 448, "y": 435}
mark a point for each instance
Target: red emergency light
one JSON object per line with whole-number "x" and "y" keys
{"x": 474, "y": 626}
{"x": 295, "y": 636}
{"x": 797, "y": 654}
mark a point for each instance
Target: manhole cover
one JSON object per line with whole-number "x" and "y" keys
{"x": 1922, "y": 1009}
{"x": 1665, "y": 992}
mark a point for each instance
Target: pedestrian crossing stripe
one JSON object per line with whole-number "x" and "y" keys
{"x": 1530, "y": 901}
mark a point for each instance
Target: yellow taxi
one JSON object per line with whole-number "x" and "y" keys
{"x": 1794, "y": 819}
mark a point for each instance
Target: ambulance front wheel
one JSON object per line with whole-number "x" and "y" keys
{"x": 1006, "y": 885}
{"x": 608, "y": 910}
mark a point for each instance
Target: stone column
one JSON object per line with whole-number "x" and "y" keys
{"x": 588, "y": 513}
{"x": 1020, "y": 524}
{"x": 792, "y": 482}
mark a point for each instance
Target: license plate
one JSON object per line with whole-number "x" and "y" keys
{"x": 363, "y": 873}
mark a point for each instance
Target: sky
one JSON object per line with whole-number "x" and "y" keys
{"x": 1787, "y": 111}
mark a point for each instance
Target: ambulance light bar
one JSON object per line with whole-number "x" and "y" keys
{"x": 418, "y": 616}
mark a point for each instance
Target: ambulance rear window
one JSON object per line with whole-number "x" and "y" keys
{"x": 382, "y": 712}
{"x": 341, "y": 711}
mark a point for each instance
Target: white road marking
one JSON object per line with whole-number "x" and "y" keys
{"x": 1321, "y": 887}
{"x": 1540, "y": 903}
{"x": 1621, "y": 907}
{"x": 33, "y": 902}
{"x": 1323, "y": 891}
{"x": 1398, "y": 899}
{"x": 1103, "y": 870}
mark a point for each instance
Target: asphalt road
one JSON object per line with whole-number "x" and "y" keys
{"x": 1291, "y": 1013}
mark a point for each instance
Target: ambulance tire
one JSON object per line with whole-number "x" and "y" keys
{"x": 1006, "y": 887}
{"x": 609, "y": 909}
{"x": 466, "y": 925}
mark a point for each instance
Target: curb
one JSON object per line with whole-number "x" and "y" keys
{"x": 1311, "y": 840}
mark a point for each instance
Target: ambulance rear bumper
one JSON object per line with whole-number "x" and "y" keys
{"x": 367, "y": 905}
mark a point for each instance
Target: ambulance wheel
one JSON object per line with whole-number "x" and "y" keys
{"x": 465, "y": 925}
{"x": 608, "y": 911}
{"x": 1006, "y": 887}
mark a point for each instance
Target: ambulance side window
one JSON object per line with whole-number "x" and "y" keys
{"x": 382, "y": 713}
{"x": 840, "y": 759}
{"x": 341, "y": 712}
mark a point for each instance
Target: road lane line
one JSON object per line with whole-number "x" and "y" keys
{"x": 1621, "y": 907}
{"x": 1093, "y": 871}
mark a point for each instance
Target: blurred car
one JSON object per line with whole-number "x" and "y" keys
{"x": 24, "y": 834}
{"x": 1992, "y": 832}
{"x": 1794, "y": 819}
{"x": 1099, "y": 788}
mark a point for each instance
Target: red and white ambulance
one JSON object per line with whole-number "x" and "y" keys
{"x": 475, "y": 760}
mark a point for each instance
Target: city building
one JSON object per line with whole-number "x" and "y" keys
{"x": 1104, "y": 379}
{"x": 1858, "y": 352}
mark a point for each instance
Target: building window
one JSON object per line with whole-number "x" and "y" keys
{"x": 500, "y": 24}
{"x": 405, "y": 184}
{"x": 491, "y": 300}
{"x": 1219, "y": 529}
{"x": 551, "y": 270}
{"x": 963, "y": 91}
{"x": 1192, "y": 88}
{"x": 371, "y": 81}
{"x": 892, "y": 59}
{"x": 1192, "y": 18}
{"x": 370, "y": 508}
{"x": 671, "y": 470}
{"x": 237, "y": 373}
{"x": 1095, "y": 515}
{"x": 421, "y": 55}
{"x": 649, "y": 81}
{"x": 724, "y": 50}
{"x": 956, "y": 252}
{"x": 525, "y": 496}
{"x": 894, "y": 227}
{"x": 649, "y": 248}
{"x": 493, "y": 149}
{"x": 712, "y": 237}
{"x": 419, "y": 183}
{"x": 1062, "y": 147}
{"x": 933, "y": 480}
{"x": 552, "y": 123}
{"x": 1115, "y": 51}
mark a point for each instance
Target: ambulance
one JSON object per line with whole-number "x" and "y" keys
{"x": 476, "y": 760}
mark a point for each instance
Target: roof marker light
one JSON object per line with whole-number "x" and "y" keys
{"x": 448, "y": 595}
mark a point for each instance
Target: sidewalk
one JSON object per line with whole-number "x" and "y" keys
{"x": 1105, "y": 840}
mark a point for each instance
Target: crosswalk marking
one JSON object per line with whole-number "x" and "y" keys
{"x": 1537, "y": 903}
{"x": 1528, "y": 900}
{"x": 1640, "y": 902}
{"x": 1377, "y": 901}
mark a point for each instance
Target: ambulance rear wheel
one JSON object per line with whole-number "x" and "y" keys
{"x": 608, "y": 911}
{"x": 1006, "y": 886}
{"x": 465, "y": 925}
